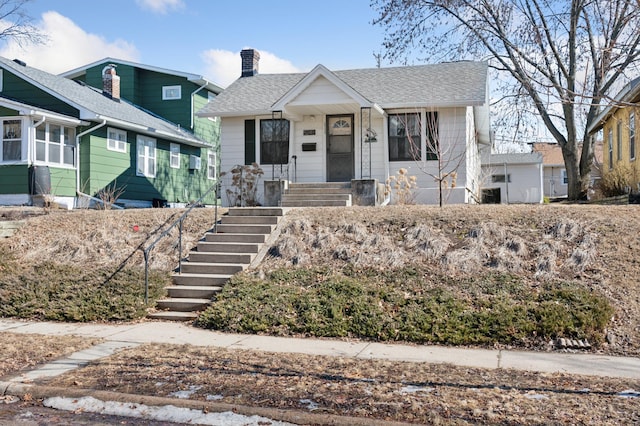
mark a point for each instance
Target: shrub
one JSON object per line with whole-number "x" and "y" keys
{"x": 617, "y": 181}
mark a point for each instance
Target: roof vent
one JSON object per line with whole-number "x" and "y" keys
{"x": 19, "y": 62}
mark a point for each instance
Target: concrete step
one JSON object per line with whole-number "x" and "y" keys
{"x": 220, "y": 257}
{"x": 255, "y": 211}
{"x": 211, "y": 268}
{"x": 245, "y": 229}
{"x": 317, "y": 191}
{"x": 324, "y": 196}
{"x": 204, "y": 246}
{"x": 315, "y": 203}
{"x": 192, "y": 291}
{"x": 205, "y": 280}
{"x": 323, "y": 185}
{"x": 249, "y": 220}
{"x": 173, "y": 316}
{"x": 183, "y": 304}
{"x": 235, "y": 238}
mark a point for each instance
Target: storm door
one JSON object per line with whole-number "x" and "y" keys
{"x": 340, "y": 162}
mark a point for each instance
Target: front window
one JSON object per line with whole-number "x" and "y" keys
{"x": 632, "y": 135}
{"x": 274, "y": 141}
{"x": 116, "y": 140}
{"x": 171, "y": 93}
{"x": 610, "y": 146}
{"x": 55, "y": 144}
{"x": 174, "y": 156}
{"x": 619, "y": 139}
{"x": 211, "y": 165}
{"x": 146, "y": 156}
{"x": 11, "y": 140}
{"x": 404, "y": 137}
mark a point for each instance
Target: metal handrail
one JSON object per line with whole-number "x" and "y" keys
{"x": 164, "y": 233}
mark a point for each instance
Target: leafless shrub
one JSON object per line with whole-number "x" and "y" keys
{"x": 546, "y": 258}
{"x": 566, "y": 229}
{"x": 432, "y": 244}
{"x": 109, "y": 195}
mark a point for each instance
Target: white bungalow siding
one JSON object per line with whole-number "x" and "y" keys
{"x": 321, "y": 92}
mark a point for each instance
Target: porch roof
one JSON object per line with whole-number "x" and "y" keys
{"x": 92, "y": 105}
{"x": 452, "y": 84}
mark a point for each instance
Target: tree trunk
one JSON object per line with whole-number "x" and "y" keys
{"x": 572, "y": 167}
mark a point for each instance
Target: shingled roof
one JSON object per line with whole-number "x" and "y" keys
{"x": 92, "y": 105}
{"x": 448, "y": 84}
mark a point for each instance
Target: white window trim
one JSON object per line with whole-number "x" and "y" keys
{"x": 167, "y": 90}
{"x": 118, "y": 145}
{"x": 71, "y": 142}
{"x": 212, "y": 164}
{"x": 174, "y": 155}
{"x": 148, "y": 146}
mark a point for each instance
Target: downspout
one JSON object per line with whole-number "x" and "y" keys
{"x": 78, "y": 136}
{"x": 32, "y": 160}
{"x": 192, "y": 102}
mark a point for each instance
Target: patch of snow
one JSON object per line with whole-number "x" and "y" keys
{"x": 310, "y": 404}
{"x": 415, "y": 389}
{"x": 168, "y": 413}
{"x": 214, "y": 397}
{"x": 629, "y": 393}
{"x": 185, "y": 394}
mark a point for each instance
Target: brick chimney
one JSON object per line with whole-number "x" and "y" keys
{"x": 111, "y": 82}
{"x": 250, "y": 59}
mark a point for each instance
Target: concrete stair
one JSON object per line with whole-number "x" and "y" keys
{"x": 328, "y": 194}
{"x": 239, "y": 239}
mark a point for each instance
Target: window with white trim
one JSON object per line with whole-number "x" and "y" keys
{"x": 55, "y": 144}
{"x": 211, "y": 165}
{"x": 170, "y": 93}
{"x": 146, "y": 149}
{"x": 174, "y": 155}
{"x": 11, "y": 148}
{"x": 116, "y": 140}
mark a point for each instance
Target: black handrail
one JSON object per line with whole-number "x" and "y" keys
{"x": 164, "y": 233}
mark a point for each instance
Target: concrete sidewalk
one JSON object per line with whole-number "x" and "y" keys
{"x": 131, "y": 334}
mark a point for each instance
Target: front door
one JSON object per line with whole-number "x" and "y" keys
{"x": 340, "y": 164}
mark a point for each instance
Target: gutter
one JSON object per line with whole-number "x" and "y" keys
{"x": 78, "y": 136}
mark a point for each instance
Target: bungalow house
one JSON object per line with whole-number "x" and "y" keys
{"x": 358, "y": 126}
{"x": 617, "y": 122}
{"x": 512, "y": 178}
{"x": 66, "y": 141}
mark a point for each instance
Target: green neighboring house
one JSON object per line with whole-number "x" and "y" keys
{"x": 92, "y": 133}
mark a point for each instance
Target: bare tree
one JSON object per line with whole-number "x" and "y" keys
{"x": 559, "y": 58}
{"x": 16, "y": 24}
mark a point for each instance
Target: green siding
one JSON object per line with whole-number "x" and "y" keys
{"x": 16, "y": 88}
{"x": 14, "y": 179}
{"x": 102, "y": 168}
{"x": 63, "y": 181}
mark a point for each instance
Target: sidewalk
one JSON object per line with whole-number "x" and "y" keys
{"x": 131, "y": 334}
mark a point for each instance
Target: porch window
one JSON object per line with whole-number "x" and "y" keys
{"x": 55, "y": 144}
{"x": 11, "y": 140}
{"x": 274, "y": 141}
{"x": 116, "y": 140}
{"x": 146, "y": 156}
{"x": 174, "y": 155}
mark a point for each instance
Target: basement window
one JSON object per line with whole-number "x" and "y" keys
{"x": 170, "y": 93}
{"x": 500, "y": 178}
